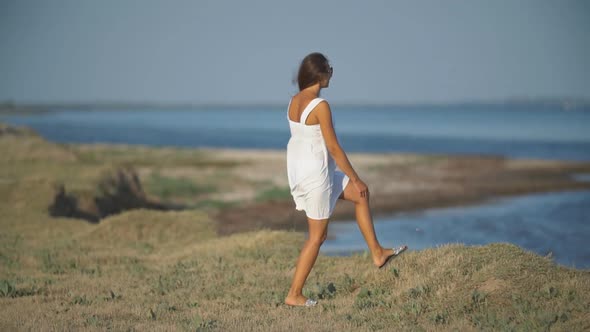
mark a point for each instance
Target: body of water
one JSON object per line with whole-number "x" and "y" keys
{"x": 516, "y": 132}
{"x": 556, "y": 223}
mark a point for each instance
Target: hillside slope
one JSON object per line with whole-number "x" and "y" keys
{"x": 170, "y": 270}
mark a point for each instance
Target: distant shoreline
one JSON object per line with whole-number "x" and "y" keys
{"x": 566, "y": 104}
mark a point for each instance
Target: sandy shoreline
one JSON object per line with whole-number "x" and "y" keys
{"x": 400, "y": 182}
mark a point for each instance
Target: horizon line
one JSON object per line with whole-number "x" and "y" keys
{"x": 564, "y": 101}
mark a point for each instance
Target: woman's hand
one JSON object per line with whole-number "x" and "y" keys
{"x": 361, "y": 187}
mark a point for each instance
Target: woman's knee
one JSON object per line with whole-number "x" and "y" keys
{"x": 318, "y": 239}
{"x": 358, "y": 199}
{"x": 318, "y": 231}
{"x": 351, "y": 194}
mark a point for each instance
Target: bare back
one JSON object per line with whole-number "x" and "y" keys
{"x": 298, "y": 104}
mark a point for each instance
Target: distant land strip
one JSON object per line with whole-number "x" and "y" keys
{"x": 566, "y": 104}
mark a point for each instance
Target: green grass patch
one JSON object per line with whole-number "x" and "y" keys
{"x": 274, "y": 194}
{"x": 168, "y": 187}
{"x": 8, "y": 289}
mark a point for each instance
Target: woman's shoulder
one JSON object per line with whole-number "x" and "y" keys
{"x": 323, "y": 103}
{"x": 300, "y": 102}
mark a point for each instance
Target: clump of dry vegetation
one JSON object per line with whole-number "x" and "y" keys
{"x": 116, "y": 191}
{"x": 170, "y": 270}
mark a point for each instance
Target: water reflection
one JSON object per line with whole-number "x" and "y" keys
{"x": 556, "y": 223}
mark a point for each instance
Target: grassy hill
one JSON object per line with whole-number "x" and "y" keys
{"x": 169, "y": 270}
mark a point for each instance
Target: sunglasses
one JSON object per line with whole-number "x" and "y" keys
{"x": 330, "y": 70}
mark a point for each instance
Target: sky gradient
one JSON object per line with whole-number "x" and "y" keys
{"x": 232, "y": 52}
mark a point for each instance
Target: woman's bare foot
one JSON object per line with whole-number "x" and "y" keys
{"x": 297, "y": 301}
{"x": 381, "y": 258}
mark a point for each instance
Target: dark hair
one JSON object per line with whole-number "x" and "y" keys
{"x": 314, "y": 67}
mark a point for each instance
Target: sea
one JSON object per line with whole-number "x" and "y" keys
{"x": 555, "y": 224}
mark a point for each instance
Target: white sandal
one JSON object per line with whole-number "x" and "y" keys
{"x": 396, "y": 252}
{"x": 310, "y": 303}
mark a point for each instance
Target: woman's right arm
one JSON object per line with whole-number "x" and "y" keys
{"x": 324, "y": 116}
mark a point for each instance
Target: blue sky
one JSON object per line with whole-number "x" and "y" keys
{"x": 232, "y": 52}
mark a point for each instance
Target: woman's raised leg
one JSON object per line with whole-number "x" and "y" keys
{"x": 318, "y": 230}
{"x": 365, "y": 223}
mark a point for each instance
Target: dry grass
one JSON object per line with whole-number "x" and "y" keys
{"x": 167, "y": 270}
{"x": 154, "y": 270}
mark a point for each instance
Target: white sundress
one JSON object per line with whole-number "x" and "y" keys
{"x": 314, "y": 180}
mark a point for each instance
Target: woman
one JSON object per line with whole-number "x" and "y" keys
{"x": 313, "y": 152}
